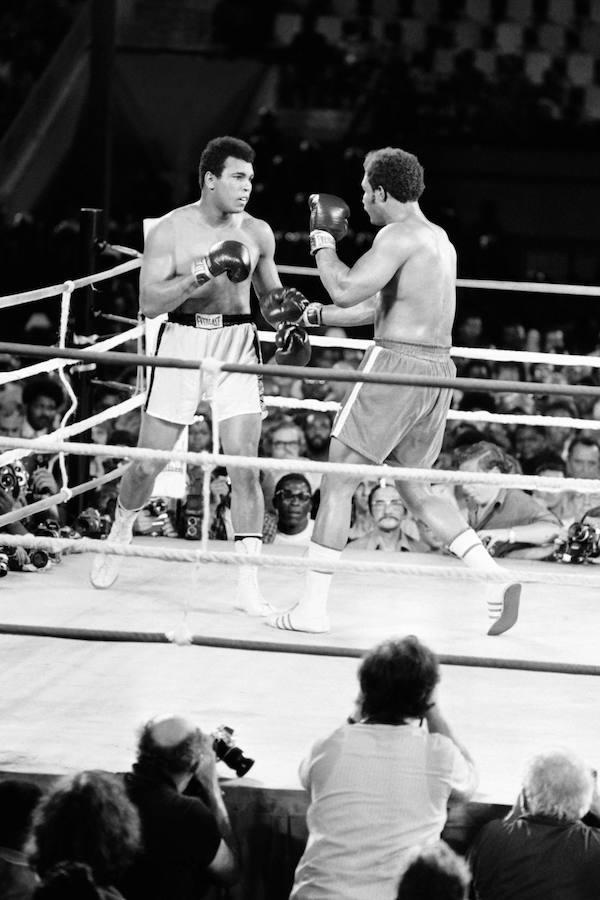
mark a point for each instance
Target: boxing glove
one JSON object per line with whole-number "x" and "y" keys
{"x": 230, "y": 257}
{"x": 293, "y": 346}
{"x": 283, "y": 305}
{"x": 328, "y": 221}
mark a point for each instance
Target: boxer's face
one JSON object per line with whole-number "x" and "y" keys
{"x": 231, "y": 190}
{"x": 369, "y": 202}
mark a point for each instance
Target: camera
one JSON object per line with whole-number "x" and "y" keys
{"x": 227, "y": 752}
{"x": 581, "y": 544}
{"x": 9, "y": 481}
{"x": 4, "y": 565}
{"x": 89, "y": 523}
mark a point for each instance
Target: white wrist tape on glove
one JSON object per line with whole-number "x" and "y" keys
{"x": 321, "y": 240}
{"x": 312, "y": 316}
{"x": 200, "y": 271}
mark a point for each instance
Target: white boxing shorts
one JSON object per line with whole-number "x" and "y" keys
{"x": 174, "y": 394}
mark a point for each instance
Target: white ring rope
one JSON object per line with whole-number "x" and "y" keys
{"x": 56, "y": 289}
{"x": 65, "y": 306}
{"x": 167, "y": 554}
{"x": 392, "y": 473}
{"x": 51, "y": 365}
{"x": 51, "y": 442}
{"x": 454, "y": 414}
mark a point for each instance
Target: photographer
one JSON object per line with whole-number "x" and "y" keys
{"x": 379, "y": 785}
{"x": 13, "y": 479}
{"x": 188, "y": 840}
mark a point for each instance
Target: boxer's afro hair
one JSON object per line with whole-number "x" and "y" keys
{"x": 216, "y": 152}
{"x": 399, "y": 173}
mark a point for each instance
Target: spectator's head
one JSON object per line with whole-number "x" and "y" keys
{"x": 292, "y": 501}
{"x": 317, "y": 431}
{"x": 18, "y": 799}
{"x": 559, "y": 784}
{"x": 549, "y": 465}
{"x": 476, "y": 368}
{"x": 530, "y": 441}
{"x": 583, "y": 458}
{"x": 397, "y": 679}
{"x": 172, "y": 746}
{"x": 386, "y": 506}
{"x": 473, "y": 401}
{"x": 560, "y": 407}
{"x": 482, "y": 457}
{"x": 42, "y": 398}
{"x": 71, "y": 881}
{"x": 513, "y": 336}
{"x": 217, "y": 152}
{"x": 437, "y": 873}
{"x": 106, "y": 398}
{"x": 469, "y": 332}
{"x": 87, "y": 818}
{"x": 200, "y": 435}
{"x": 509, "y": 370}
{"x": 12, "y": 416}
{"x": 360, "y": 498}
{"x": 287, "y": 441}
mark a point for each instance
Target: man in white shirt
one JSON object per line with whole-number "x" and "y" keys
{"x": 292, "y": 501}
{"x": 380, "y": 784}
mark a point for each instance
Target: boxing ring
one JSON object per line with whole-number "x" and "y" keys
{"x": 82, "y": 668}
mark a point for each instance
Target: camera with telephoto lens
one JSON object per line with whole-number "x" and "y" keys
{"x": 9, "y": 481}
{"x": 581, "y": 544}
{"x": 227, "y": 752}
{"x": 89, "y": 523}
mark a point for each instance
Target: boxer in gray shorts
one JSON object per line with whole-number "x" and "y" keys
{"x": 405, "y": 284}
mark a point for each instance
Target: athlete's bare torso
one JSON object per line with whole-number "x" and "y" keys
{"x": 190, "y": 236}
{"x": 418, "y": 304}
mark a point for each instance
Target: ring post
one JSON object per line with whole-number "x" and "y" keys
{"x": 83, "y": 328}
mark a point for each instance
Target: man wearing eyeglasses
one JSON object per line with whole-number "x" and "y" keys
{"x": 393, "y": 531}
{"x": 291, "y": 525}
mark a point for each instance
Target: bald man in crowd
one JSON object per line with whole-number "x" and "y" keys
{"x": 187, "y": 835}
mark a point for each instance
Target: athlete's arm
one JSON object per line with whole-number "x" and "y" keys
{"x": 359, "y": 314}
{"x": 161, "y": 289}
{"x": 265, "y": 277}
{"x": 350, "y": 286}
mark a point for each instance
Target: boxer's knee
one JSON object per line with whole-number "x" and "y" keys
{"x": 142, "y": 471}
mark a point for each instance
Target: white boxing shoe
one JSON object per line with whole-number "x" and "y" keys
{"x": 294, "y": 619}
{"x": 250, "y": 600}
{"x": 106, "y": 566}
{"x": 511, "y": 595}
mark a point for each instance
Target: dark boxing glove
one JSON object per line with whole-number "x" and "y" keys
{"x": 293, "y": 346}
{"x": 328, "y": 221}
{"x": 230, "y": 257}
{"x": 283, "y": 305}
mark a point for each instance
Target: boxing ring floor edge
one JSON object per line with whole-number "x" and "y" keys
{"x": 73, "y": 704}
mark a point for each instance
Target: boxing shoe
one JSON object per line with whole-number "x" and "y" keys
{"x": 250, "y": 600}
{"x": 106, "y": 566}
{"x": 509, "y": 608}
{"x": 295, "y": 619}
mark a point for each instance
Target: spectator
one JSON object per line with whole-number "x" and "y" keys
{"x": 317, "y": 433}
{"x": 188, "y": 841}
{"x": 380, "y": 783}
{"x": 361, "y": 522}
{"x": 437, "y": 873}
{"x": 18, "y": 800}
{"x": 42, "y": 398}
{"x": 73, "y": 881}
{"x": 549, "y": 465}
{"x": 87, "y": 818}
{"x": 291, "y": 525}
{"x": 12, "y": 418}
{"x": 530, "y": 441}
{"x": 583, "y": 461}
{"x": 559, "y": 435}
{"x": 393, "y": 529}
{"x": 508, "y": 520}
{"x": 286, "y": 441}
{"x": 542, "y": 849}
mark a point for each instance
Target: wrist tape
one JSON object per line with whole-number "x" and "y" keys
{"x": 201, "y": 271}
{"x": 321, "y": 240}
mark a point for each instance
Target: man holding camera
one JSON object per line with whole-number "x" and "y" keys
{"x": 188, "y": 840}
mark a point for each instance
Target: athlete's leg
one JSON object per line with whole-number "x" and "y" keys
{"x": 448, "y": 523}
{"x": 136, "y": 488}
{"x": 329, "y": 538}
{"x": 239, "y": 437}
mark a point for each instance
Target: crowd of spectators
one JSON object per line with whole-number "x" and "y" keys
{"x": 380, "y": 788}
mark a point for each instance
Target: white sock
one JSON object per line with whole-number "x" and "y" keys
{"x": 251, "y": 545}
{"x": 468, "y": 547}
{"x": 318, "y": 579}
{"x": 124, "y": 518}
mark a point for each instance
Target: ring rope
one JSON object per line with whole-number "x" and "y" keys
{"x": 53, "y": 362}
{"x": 54, "y": 290}
{"x": 316, "y": 374}
{"x": 454, "y": 414}
{"x": 302, "y": 563}
{"x": 24, "y": 447}
{"x": 158, "y": 637}
{"x": 63, "y": 496}
{"x": 392, "y": 473}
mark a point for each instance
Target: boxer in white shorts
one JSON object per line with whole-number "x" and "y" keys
{"x": 198, "y": 264}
